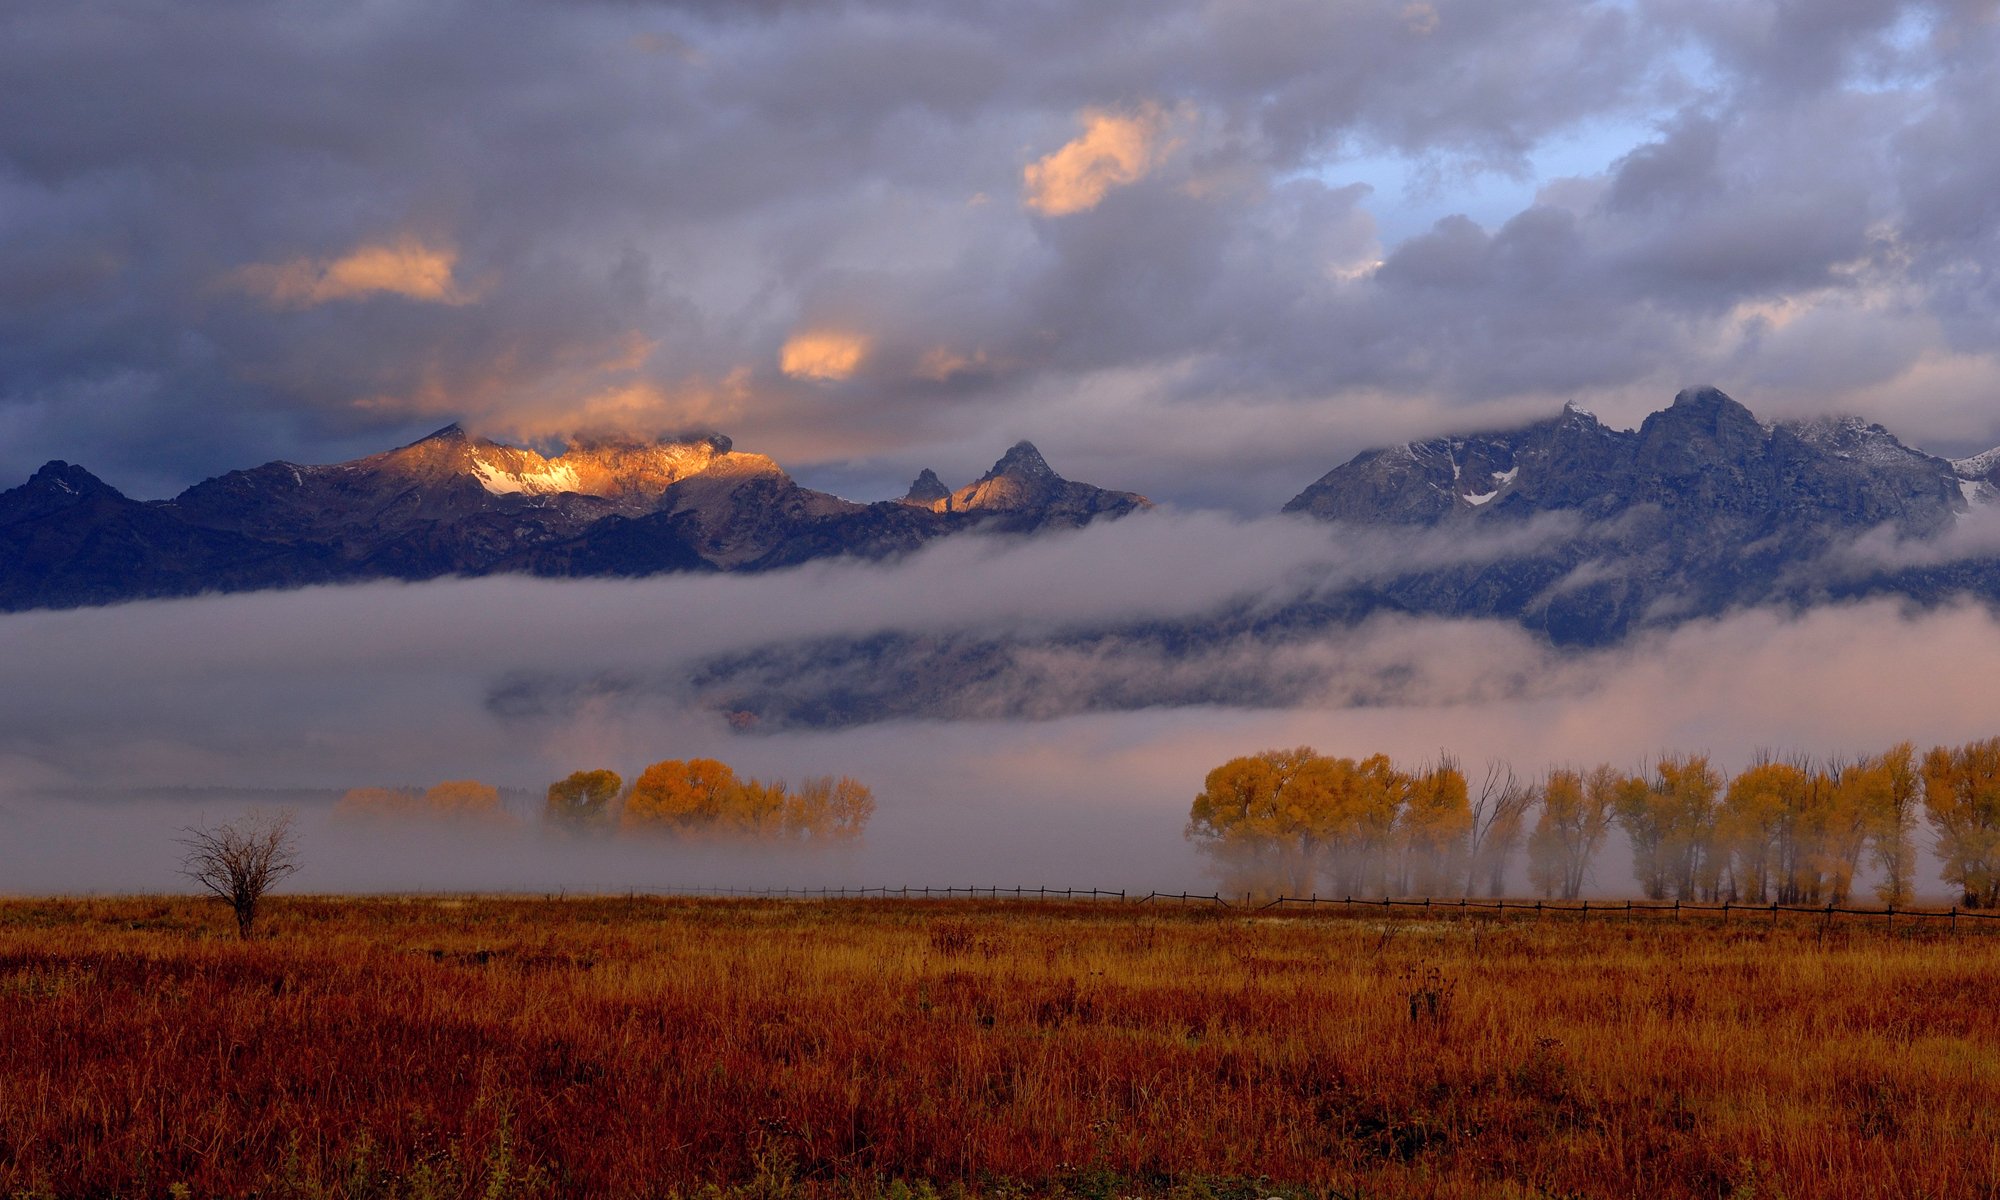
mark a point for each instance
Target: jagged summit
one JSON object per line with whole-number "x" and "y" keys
{"x": 926, "y": 490}
{"x": 1981, "y": 467}
{"x": 1022, "y": 461}
{"x": 1022, "y": 481}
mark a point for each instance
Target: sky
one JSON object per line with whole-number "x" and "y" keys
{"x": 1200, "y": 249}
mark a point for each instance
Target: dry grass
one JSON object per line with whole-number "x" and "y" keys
{"x": 498, "y": 1047}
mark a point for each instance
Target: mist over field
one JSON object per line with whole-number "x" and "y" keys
{"x": 326, "y": 689}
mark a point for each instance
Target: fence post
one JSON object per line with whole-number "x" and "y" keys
{"x": 1774, "y": 914}
{"x": 1889, "y": 914}
{"x": 1954, "y": 920}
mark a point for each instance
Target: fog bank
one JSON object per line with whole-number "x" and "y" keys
{"x": 393, "y": 685}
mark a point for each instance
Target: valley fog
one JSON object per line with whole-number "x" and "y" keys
{"x": 388, "y": 685}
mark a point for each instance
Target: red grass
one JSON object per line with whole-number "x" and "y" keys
{"x": 641, "y": 1048}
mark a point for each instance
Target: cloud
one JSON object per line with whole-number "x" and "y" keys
{"x": 1568, "y": 200}
{"x": 406, "y": 268}
{"x": 824, "y": 355}
{"x": 1114, "y": 149}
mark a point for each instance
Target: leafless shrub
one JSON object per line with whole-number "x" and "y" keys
{"x": 237, "y": 863}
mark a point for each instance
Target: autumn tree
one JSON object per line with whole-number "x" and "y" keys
{"x": 1435, "y": 826}
{"x": 1358, "y": 803}
{"x": 1670, "y": 822}
{"x": 1892, "y": 829}
{"x": 1758, "y": 828}
{"x": 826, "y": 809}
{"x": 583, "y": 799}
{"x": 1247, "y": 820}
{"x": 375, "y": 803}
{"x": 684, "y": 797}
{"x": 1962, "y": 803}
{"x": 465, "y": 800}
{"x": 1575, "y": 817}
{"x": 703, "y": 798}
{"x": 453, "y": 800}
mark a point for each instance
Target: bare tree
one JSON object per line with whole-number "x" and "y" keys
{"x": 237, "y": 863}
{"x": 1497, "y": 819}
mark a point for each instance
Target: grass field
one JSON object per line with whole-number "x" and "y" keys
{"x": 635, "y": 1047}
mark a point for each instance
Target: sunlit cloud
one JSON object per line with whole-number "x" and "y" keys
{"x": 943, "y": 364}
{"x": 406, "y": 267}
{"x": 823, "y": 354}
{"x": 1115, "y": 149}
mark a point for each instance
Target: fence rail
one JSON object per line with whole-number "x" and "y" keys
{"x": 1581, "y": 910}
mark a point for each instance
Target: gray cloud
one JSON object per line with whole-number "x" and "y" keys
{"x": 644, "y": 202}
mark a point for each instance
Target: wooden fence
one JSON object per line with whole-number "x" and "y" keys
{"x": 1726, "y": 911}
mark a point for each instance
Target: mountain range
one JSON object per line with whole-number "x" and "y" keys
{"x": 454, "y": 504}
{"x": 1700, "y": 510}
{"x": 1579, "y": 531}
{"x": 1583, "y": 533}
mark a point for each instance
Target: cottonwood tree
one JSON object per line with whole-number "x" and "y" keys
{"x": 1962, "y": 803}
{"x": 1795, "y": 833}
{"x": 1435, "y": 827}
{"x": 456, "y": 800}
{"x": 1575, "y": 817}
{"x": 238, "y": 863}
{"x": 704, "y": 798}
{"x": 1670, "y": 821}
{"x": 1497, "y": 815}
{"x": 826, "y": 809}
{"x": 680, "y": 796}
{"x": 1892, "y": 835}
{"x": 583, "y": 799}
{"x": 465, "y": 800}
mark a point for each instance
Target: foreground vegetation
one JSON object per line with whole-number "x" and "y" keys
{"x": 637, "y": 1047}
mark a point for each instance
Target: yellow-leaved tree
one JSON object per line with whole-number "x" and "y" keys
{"x": 583, "y": 799}
{"x": 703, "y": 798}
{"x": 1574, "y": 819}
{"x": 683, "y": 797}
{"x": 1436, "y": 826}
{"x": 1962, "y": 802}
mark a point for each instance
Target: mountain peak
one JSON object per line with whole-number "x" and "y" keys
{"x": 1704, "y": 398}
{"x": 453, "y": 432}
{"x": 1022, "y": 461}
{"x": 62, "y": 476}
{"x": 926, "y": 490}
{"x": 1702, "y": 427}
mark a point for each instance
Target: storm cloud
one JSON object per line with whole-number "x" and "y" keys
{"x": 1199, "y": 251}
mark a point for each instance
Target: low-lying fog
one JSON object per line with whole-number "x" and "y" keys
{"x": 390, "y": 684}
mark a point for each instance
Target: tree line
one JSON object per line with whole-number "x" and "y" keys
{"x": 702, "y": 798}
{"x": 1785, "y": 830}
{"x": 689, "y": 799}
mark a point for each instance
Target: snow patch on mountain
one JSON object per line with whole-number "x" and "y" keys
{"x": 552, "y": 477}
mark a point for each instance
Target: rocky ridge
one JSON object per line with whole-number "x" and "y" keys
{"x": 455, "y": 504}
